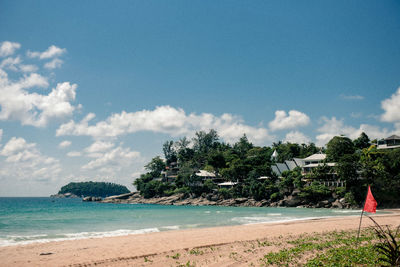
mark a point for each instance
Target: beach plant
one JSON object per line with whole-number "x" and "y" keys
{"x": 196, "y": 252}
{"x": 388, "y": 246}
{"x": 176, "y": 256}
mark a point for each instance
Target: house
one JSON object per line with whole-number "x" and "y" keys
{"x": 390, "y": 142}
{"x": 227, "y": 184}
{"x": 314, "y": 161}
{"x": 307, "y": 166}
{"x": 170, "y": 173}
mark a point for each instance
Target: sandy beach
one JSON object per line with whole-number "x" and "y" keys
{"x": 219, "y": 246}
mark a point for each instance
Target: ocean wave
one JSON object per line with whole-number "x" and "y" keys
{"x": 172, "y": 227}
{"x": 263, "y": 219}
{"x": 11, "y": 240}
{"x": 346, "y": 211}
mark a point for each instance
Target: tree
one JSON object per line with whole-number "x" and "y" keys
{"x": 155, "y": 167}
{"x": 242, "y": 146}
{"x": 203, "y": 141}
{"x": 337, "y": 147}
{"x": 362, "y": 141}
{"x": 169, "y": 152}
{"x": 94, "y": 189}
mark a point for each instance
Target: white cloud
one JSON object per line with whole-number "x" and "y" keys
{"x": 24, "y": 161}
{"x": 8, "y": 48}
{"x": 351, "y": 97}
{"x": 17, "y": 103}
{"x": 98, "y": 147}
{"x": 115, "y": 158}
{"x": 334, "y": 127}
{"x": 1, "y": 134}
{"x": 391, "y": 106}
{"x": 11, "y": 63}
{"x": 297, "y": 137}
{"x": 164, "y": 119}
{"x": 28, "y": 68}
{"x": 51, "y": 52}
{"x": 74, "y": 154}
{"x": 55, "y": 63}
{"x": 15, "y": 64}
{"x": 64, "y": 144}
{"x": 288, "y": 121}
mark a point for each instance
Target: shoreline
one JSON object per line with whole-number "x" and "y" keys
{"x": 76, "y": 236}
{"x": 121, "y": 250}
{"x": 127, "y": 232}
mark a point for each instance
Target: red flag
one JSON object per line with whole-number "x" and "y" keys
{"x": 370, "y": 202}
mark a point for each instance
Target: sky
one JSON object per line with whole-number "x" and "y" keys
{"x": 90, "y": 90}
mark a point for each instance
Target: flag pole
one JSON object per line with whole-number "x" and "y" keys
{"x": 362, "y": 212}
{"x": 359, "y": 226}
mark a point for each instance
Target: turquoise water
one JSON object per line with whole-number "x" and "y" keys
{"x": 27, "y": 220}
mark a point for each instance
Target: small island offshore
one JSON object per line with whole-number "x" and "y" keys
{"x": 206, "y": 171}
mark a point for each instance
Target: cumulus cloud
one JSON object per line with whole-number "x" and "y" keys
{"x": 64, "y": 144}
{"x": 115, "y": 158}
{"x": 51, "y": 52}
{"x": 10, "y": 63}
{"x": 288, "y": 121}
{"x": 334, "y": 127}
{"x": 15, "y": 64}
{"x": 24, "y": 161}
{"x": 391, "y": 106}
{"x": 297, "y": 137}
{"x": 164, "y": 119}
{"x": 8, "y": 48}
{"x": 17, "y": 103}
{"x": 98, "y": 147}
{"x": 55, "y": 63}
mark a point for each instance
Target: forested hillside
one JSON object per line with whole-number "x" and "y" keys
{"x": 95, "y": 189}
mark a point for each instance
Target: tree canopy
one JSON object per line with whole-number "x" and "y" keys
{"x": 94, "y": 189}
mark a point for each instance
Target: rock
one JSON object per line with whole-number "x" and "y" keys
{"x": 86, "y": 199}
{"x": 337, "y": 204}
{"x": 123, "y": 196}
{"x": 273, "y": 204}
{"x": 342, "y": 200}
{"x": 89, "y": 199}
{"x": 296, "y": 192}
{"x": 66, "y": 195}
{"x": 240, "y": 200}
{"x": 291, "y": 201}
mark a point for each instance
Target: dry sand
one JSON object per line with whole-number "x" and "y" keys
{"x": 219, "y": 246}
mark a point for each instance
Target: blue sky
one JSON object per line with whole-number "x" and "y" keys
{"x": 91, "y": 90}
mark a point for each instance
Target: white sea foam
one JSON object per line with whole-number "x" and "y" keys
{"x": 346, "y": 211}
{"x": 172, "y": 227}
{"x": 11, "y": 240}
{"x": 263, "y": 219}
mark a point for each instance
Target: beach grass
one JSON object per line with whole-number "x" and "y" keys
{"x": 328, "y": 249}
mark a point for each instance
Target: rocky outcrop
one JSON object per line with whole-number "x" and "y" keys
{"x": 92, "y": 199}
{"x": 66, "y": 195}
{"x": 213, "y": 199}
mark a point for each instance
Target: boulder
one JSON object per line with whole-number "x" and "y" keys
{"x": 337, "y": 204}
{"x": 123, "y": 196}
{"x": 292, "y": 201}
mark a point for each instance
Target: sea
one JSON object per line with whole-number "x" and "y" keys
{"x": 26, "y": 220}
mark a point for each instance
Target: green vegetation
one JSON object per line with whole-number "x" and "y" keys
{"x": 94, "y": 189}
{"x": 330, "y": 249}
{"x": 358, "y": 163}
